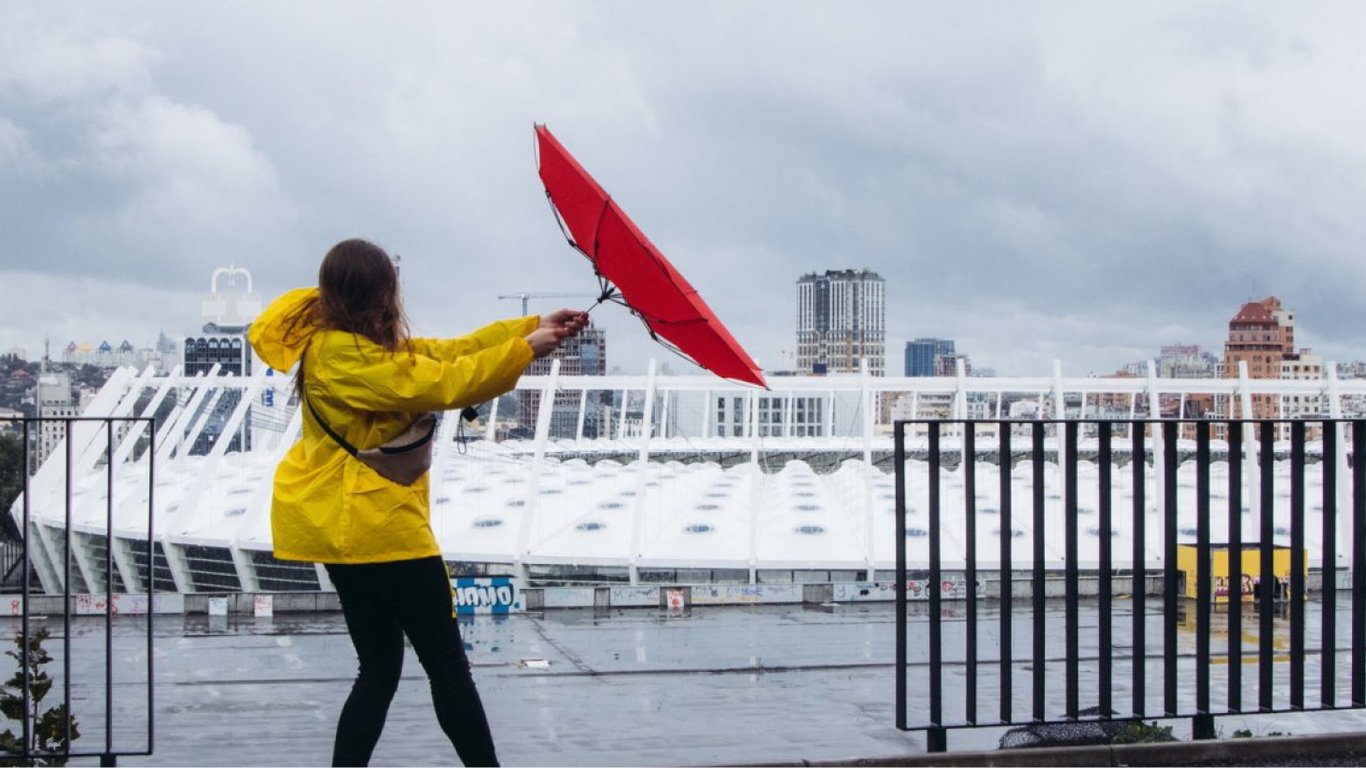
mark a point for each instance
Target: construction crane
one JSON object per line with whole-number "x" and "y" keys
{"x": 534, "y": 295}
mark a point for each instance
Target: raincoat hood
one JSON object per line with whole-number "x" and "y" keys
{"x": 278, "y": 341}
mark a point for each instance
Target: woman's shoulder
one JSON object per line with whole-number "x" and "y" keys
{"x": 333, "y": 349}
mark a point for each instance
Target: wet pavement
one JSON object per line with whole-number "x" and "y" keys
{"x": 755, "y": 684}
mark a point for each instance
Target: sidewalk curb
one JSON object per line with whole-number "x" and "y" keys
{"x": 1168, "y": 753}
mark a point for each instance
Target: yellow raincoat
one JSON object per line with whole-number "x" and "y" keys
{"x": 327, "y": 506}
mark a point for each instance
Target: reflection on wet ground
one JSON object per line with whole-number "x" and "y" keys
{"x": 622, "y": 687}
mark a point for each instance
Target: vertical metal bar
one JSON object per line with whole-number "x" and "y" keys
{"x": 1071, "y": 633}
{"x": 109, "y": 590}
{"x": 1106, "y": 524}
{"x": 1138, "y": 626}
{"x": 1007, "y": 533}
{"x": 1037, "y": 590}
{"x": 28, "y": 589}
{"x": 936, "y": 735}
{"x": 1359, "y": 563}
{"x": 899, "y": 457}
{"x": 151, "y": 583}
{"x": 1235, "y": 567}
{"x": 1328, "y": 640}
{"x": 66, "y": 590}
{"x": 1266, "y": 457}
{"x": 970, "y": 566}
{"x": 1170, "y": 461}
{"x": 1297, "y": 565}
{"x": 1204, "y": 721}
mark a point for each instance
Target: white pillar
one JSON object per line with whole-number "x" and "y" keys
{"x": 1345, "y": 536}
{"x": 1159, "y": 456}
{"x": 643, "y": 460}
{"x": 707, "y": 406}
{"x": 534, "y": 486}
{"x": 1252, "y": 487}
{"x": 491, "y": 428}
{"x": 583, "y": 406}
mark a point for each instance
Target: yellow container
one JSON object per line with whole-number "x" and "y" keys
{"x": 1249, "y": 570}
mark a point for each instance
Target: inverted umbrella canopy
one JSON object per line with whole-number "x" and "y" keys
{"x": 629, "y": 266}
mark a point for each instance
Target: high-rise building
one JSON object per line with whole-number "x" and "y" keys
{"x": 56, "y": 401}
{"x": 1255, "y": 337}
{"x": 1262, "y": 335}
{"x": 582, "y": 355}
{"x": 922, "y": 353}
{"x": 841, "y": 321}
{"x": 223, "y": 342}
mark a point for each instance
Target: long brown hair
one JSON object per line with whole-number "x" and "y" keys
{"x": 357, "y": 293}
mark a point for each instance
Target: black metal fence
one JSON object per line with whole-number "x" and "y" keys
{"x": 88, "y": 722}
{"x": 1153, "y": 621}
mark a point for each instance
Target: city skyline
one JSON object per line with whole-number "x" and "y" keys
{"x": 1062, "y": 182}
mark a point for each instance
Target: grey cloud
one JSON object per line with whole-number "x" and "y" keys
{"x": 1055, "y": 181}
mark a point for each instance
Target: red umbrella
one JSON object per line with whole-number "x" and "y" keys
{"x": 633, "y": 272}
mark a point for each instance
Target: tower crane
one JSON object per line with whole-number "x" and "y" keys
{"x": 535, "y": 295}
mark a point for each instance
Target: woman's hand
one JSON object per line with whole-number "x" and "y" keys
{"x": 543, "y": 341}
{"x": 567, "y": 322}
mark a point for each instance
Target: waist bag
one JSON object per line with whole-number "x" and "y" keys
{"x": 401, "y": 460}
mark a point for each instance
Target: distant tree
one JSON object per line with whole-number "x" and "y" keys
{"x": 11, "y": 474}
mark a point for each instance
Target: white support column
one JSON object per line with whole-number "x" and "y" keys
{"x": 446, "y": 430}
{"x": 187, "y": 445}
{"x": 643, "y": 461}
{"x": 830, "y": 414}
{"x": 1159, "y": 455}
{"x": 752, "y": 422}
{"x": 546, "y": 409}
{"x": 124, "y": 564}
{"x": 1252, "y": 488}
{"x": 960, "y": 406}
{"x": 868, "y": 472}
{"x": 130, "y": 440}
{"x": 534, "y": 486}
{"x": 583, "y": 408}
{"x": 491, "y": 428}
{"x": 866, "y": 403}
{"x": 1059, "y": 433}
{"x": 621, "y": 423}
{"x": 174, "y": 433}
{"x": 260, "y": 505}
{"x": 189, "y": 504}
{"x": 1345, "y": 536}
{"x": 666, "y": 399}
{"x": 707, "y": 406}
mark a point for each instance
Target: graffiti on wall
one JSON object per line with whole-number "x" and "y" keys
{"x": 493, "y": 594}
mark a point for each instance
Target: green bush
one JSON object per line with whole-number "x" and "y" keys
{"x": 1144, "y": 733}
{"x": 48, "y": 729}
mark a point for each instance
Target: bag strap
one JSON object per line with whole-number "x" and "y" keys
{"x": 349, "y": 448}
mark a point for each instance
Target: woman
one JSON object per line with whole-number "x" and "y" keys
{"x": 361, "y": 374}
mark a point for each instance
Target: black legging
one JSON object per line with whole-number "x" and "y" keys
{"x": 382, "y": 602}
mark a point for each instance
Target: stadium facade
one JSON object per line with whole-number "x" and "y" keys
{"x": 684, "y": 479}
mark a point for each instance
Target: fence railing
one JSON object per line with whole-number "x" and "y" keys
{"x": 82, "y": 621}
{"x": 1214, "y": 519}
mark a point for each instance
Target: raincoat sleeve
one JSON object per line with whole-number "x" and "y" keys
{"x": 275, "y": 335}
{"x": 367, "y": 377}
{"x": 490, "y": 335}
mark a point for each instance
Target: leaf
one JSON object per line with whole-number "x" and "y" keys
{"x": 39, "y": 687}
{"x": 12, "y": 707}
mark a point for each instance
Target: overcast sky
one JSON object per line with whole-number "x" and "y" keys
{"x": 1038, "y": 181}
